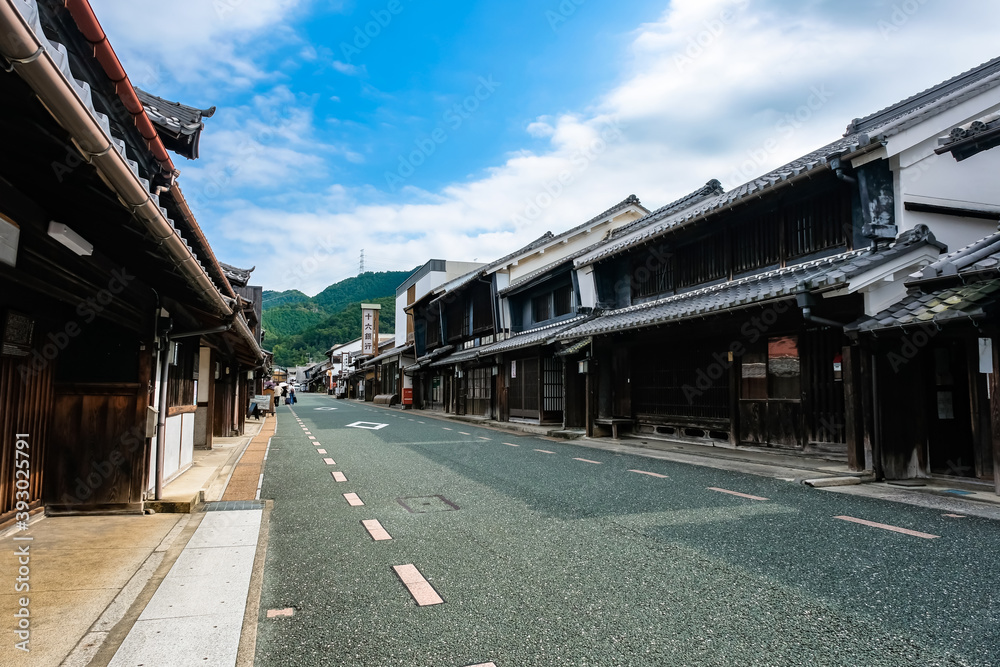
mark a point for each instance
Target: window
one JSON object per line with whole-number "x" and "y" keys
{"x": 653, "y": 273}
{"x": 702, "y": 261}
{"x": 562, "y": 300}
{"x": 181, "y": 386}
{"x": 817, "y": 223}
{"x": 540, "y": 308}
{"x": 774, "y": 373}
{"x": 783, "y": 369}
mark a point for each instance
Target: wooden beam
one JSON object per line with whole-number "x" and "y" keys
{"x": 994, "y": 383}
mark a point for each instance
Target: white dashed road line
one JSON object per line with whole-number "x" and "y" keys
{"x": 423, "y": 593}
{"x": 376, "y": 530}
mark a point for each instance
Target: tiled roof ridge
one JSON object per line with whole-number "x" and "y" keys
{"x": 631, "y": 200}
{"x": 958, "y": 261}
{"x": 461, "y": 280}
{"x": 796, "y": 167}
{"x": 550, "y": 325}
{"x": 923, "y": 98}
{"x": 548, "y": 267}
{"x": 756, "y": 277}
{"x": 712, "y": 187}
{"x": 858, "y": 136}
{"x": 147, "y": 98}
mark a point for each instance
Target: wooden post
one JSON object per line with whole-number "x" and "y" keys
{"x": 994, "y": 384}
{"x": 853, "y": 413}
{"x": 735, "y": 375}
{"x": 866, "y": 404}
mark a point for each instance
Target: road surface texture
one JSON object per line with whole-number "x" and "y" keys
{"x": 527, "y": 551}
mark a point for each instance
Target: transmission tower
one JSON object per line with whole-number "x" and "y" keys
{"x": 362, "y": 269}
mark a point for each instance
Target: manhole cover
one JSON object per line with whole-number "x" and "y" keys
{"x": 422, "y": 504}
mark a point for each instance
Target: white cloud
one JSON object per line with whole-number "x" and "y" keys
{"x": 704, "y": 89}
{"x": 198, "y": 41}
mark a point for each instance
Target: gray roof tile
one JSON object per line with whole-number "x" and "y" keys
{"x": 827, "y": 272}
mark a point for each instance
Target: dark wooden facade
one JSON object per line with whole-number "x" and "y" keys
{"x": 78, "y": 366}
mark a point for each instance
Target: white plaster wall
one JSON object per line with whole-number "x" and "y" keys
{"x": 923, "y": 177}
{"x": 172, "y": 450}
{"x": 556, "y": 250}
{"x": 187, "y": 439}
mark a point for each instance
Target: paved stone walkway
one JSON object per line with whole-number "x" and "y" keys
{"x": 246, "y": 476}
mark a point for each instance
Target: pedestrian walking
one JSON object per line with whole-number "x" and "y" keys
{"x": 291, "y": 396}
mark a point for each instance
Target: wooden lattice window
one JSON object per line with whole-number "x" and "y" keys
{"x": 817, "y": 223}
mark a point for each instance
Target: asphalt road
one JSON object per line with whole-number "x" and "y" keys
{"x": 544, "y": 559}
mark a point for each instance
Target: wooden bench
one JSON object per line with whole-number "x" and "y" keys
{"x": 614, "y": 423}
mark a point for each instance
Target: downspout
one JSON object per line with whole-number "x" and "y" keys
{"x": 806, "y": 300}
{"x": 161, "y": 421}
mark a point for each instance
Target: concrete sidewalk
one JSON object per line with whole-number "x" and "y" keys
{"x": 92, "y": 578}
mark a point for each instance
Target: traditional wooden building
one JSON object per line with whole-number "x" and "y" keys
{"x": 480, "y": 339}
{"x": 110, "y": 288}
{"x": 927, "y": 369}
{"x": 722, "y": 322}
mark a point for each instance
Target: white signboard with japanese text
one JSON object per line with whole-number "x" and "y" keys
{"x": 369, "y": 328}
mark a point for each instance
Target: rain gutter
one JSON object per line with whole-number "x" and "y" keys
{"x": 34, "y": 62}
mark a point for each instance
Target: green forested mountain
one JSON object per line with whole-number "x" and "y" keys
{"x": 341, "y": 327}
{"x": 274, "y": 299}
{"x": 299, "y": 327}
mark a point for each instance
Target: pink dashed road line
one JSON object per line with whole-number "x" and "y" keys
{"x": 287, "y": 611}
{"x": 463, "y": 433}
{"x": 485, "y": 664}
{"x": 312, "y": 437}
{"x": 651, "y": 474}
{"x": 353, "y": 500}
{"x": 338, "y": 476}
{"x": 544, "y": 451}
{"x": 735, "y": 493}
{"x": 376, "y": 530}
{"x": 511, "y": 444}
{"x": 328, "y": 461}
{"x": 423, "y": 593}
{"x": 321, "y": 451}
{"x": 954, "y": 516}
{"x": 885, "y": 526}
{"x": 588, "y": 461}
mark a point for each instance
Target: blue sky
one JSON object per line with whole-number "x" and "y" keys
{"x": 443, "y": 130}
